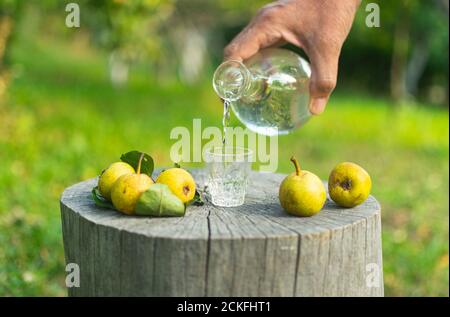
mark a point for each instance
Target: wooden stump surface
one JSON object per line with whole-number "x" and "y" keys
{"x": 252, "y": 250}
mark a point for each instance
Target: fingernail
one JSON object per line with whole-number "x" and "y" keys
{"x": 317, "y": 105}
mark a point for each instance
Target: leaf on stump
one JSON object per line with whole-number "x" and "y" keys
{"x": 197, "y": 200}
{"x": 100, "y": 200}
{"x": 159, "y": 201}
{"x": 133, "y": 157}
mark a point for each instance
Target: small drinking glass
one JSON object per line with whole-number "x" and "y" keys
{"x": 228, "y": 169}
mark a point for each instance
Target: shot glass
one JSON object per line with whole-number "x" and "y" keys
{"x": 228, "y": 169}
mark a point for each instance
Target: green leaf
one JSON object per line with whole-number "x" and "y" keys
{"x": 133, "y": 157}
{"x": 177, "y": 165}
{"x": 159, "y": 201}
{"x": 100, "y": 200}
{"x": 197, "y": 200}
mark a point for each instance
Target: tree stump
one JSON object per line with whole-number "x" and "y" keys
{"x": 252, "y": 250}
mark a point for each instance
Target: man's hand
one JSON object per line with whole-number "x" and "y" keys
{"x": 319, "y": 27}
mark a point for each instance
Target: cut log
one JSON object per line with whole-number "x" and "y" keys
{"x": 252, "y": 250}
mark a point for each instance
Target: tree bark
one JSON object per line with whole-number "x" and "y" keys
{"x": 6, "y": 25}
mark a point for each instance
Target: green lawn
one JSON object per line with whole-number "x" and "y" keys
{"x": 62, "y": 122}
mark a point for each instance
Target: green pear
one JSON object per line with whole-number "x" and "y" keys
{"x": 159, "y": 201}
{"x": 302, "y": 193}
{"x": 111, "y": 175}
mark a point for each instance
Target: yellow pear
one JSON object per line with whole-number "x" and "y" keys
{"x": 349, "y": 184}
{"x": 180, "y": 182}
{"x": 302, "y": 193}
{"x": 128, "y": 189}
{"x": 110, "y": 176}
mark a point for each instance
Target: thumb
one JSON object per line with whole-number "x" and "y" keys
{"x": 324, "y": 69}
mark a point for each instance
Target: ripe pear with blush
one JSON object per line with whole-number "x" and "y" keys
{"x": 349, "y": 184}
{"x": 127, "y": 190}
{"x": 180, "y": 182}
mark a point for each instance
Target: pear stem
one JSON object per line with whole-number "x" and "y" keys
{"x": 140, "y": 163}
{"x": 297, "y": 166}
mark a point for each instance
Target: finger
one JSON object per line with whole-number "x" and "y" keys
{"x": 324, "y": 69}
{"x": 262, "y": 32}
{"x": 245, "y": 44}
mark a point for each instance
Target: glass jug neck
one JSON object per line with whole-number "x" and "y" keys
{"x": 231, "y": 80}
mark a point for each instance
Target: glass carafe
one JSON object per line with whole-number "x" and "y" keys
{"x": 269, "y": 92}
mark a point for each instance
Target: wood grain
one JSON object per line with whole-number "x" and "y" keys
{"x": 252, "y": 250}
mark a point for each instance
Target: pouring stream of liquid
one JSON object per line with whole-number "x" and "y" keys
{"x": 225, "y": 120}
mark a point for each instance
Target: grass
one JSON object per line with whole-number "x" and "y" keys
{"x": 62, "y": 122}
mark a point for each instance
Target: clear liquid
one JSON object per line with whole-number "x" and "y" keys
{"x": 225, "y": 121}
{"x": 280, "y": 107}
{"x": 227, "y": 183}
{"x": 269, "y": 93}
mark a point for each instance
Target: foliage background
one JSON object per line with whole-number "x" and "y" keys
{"x": 73, "y": 100}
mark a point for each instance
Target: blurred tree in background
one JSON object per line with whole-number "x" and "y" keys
{"x": 8, "y": 13}
{"x": 412, "y": 43}
{"x": 179, "y": 39}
